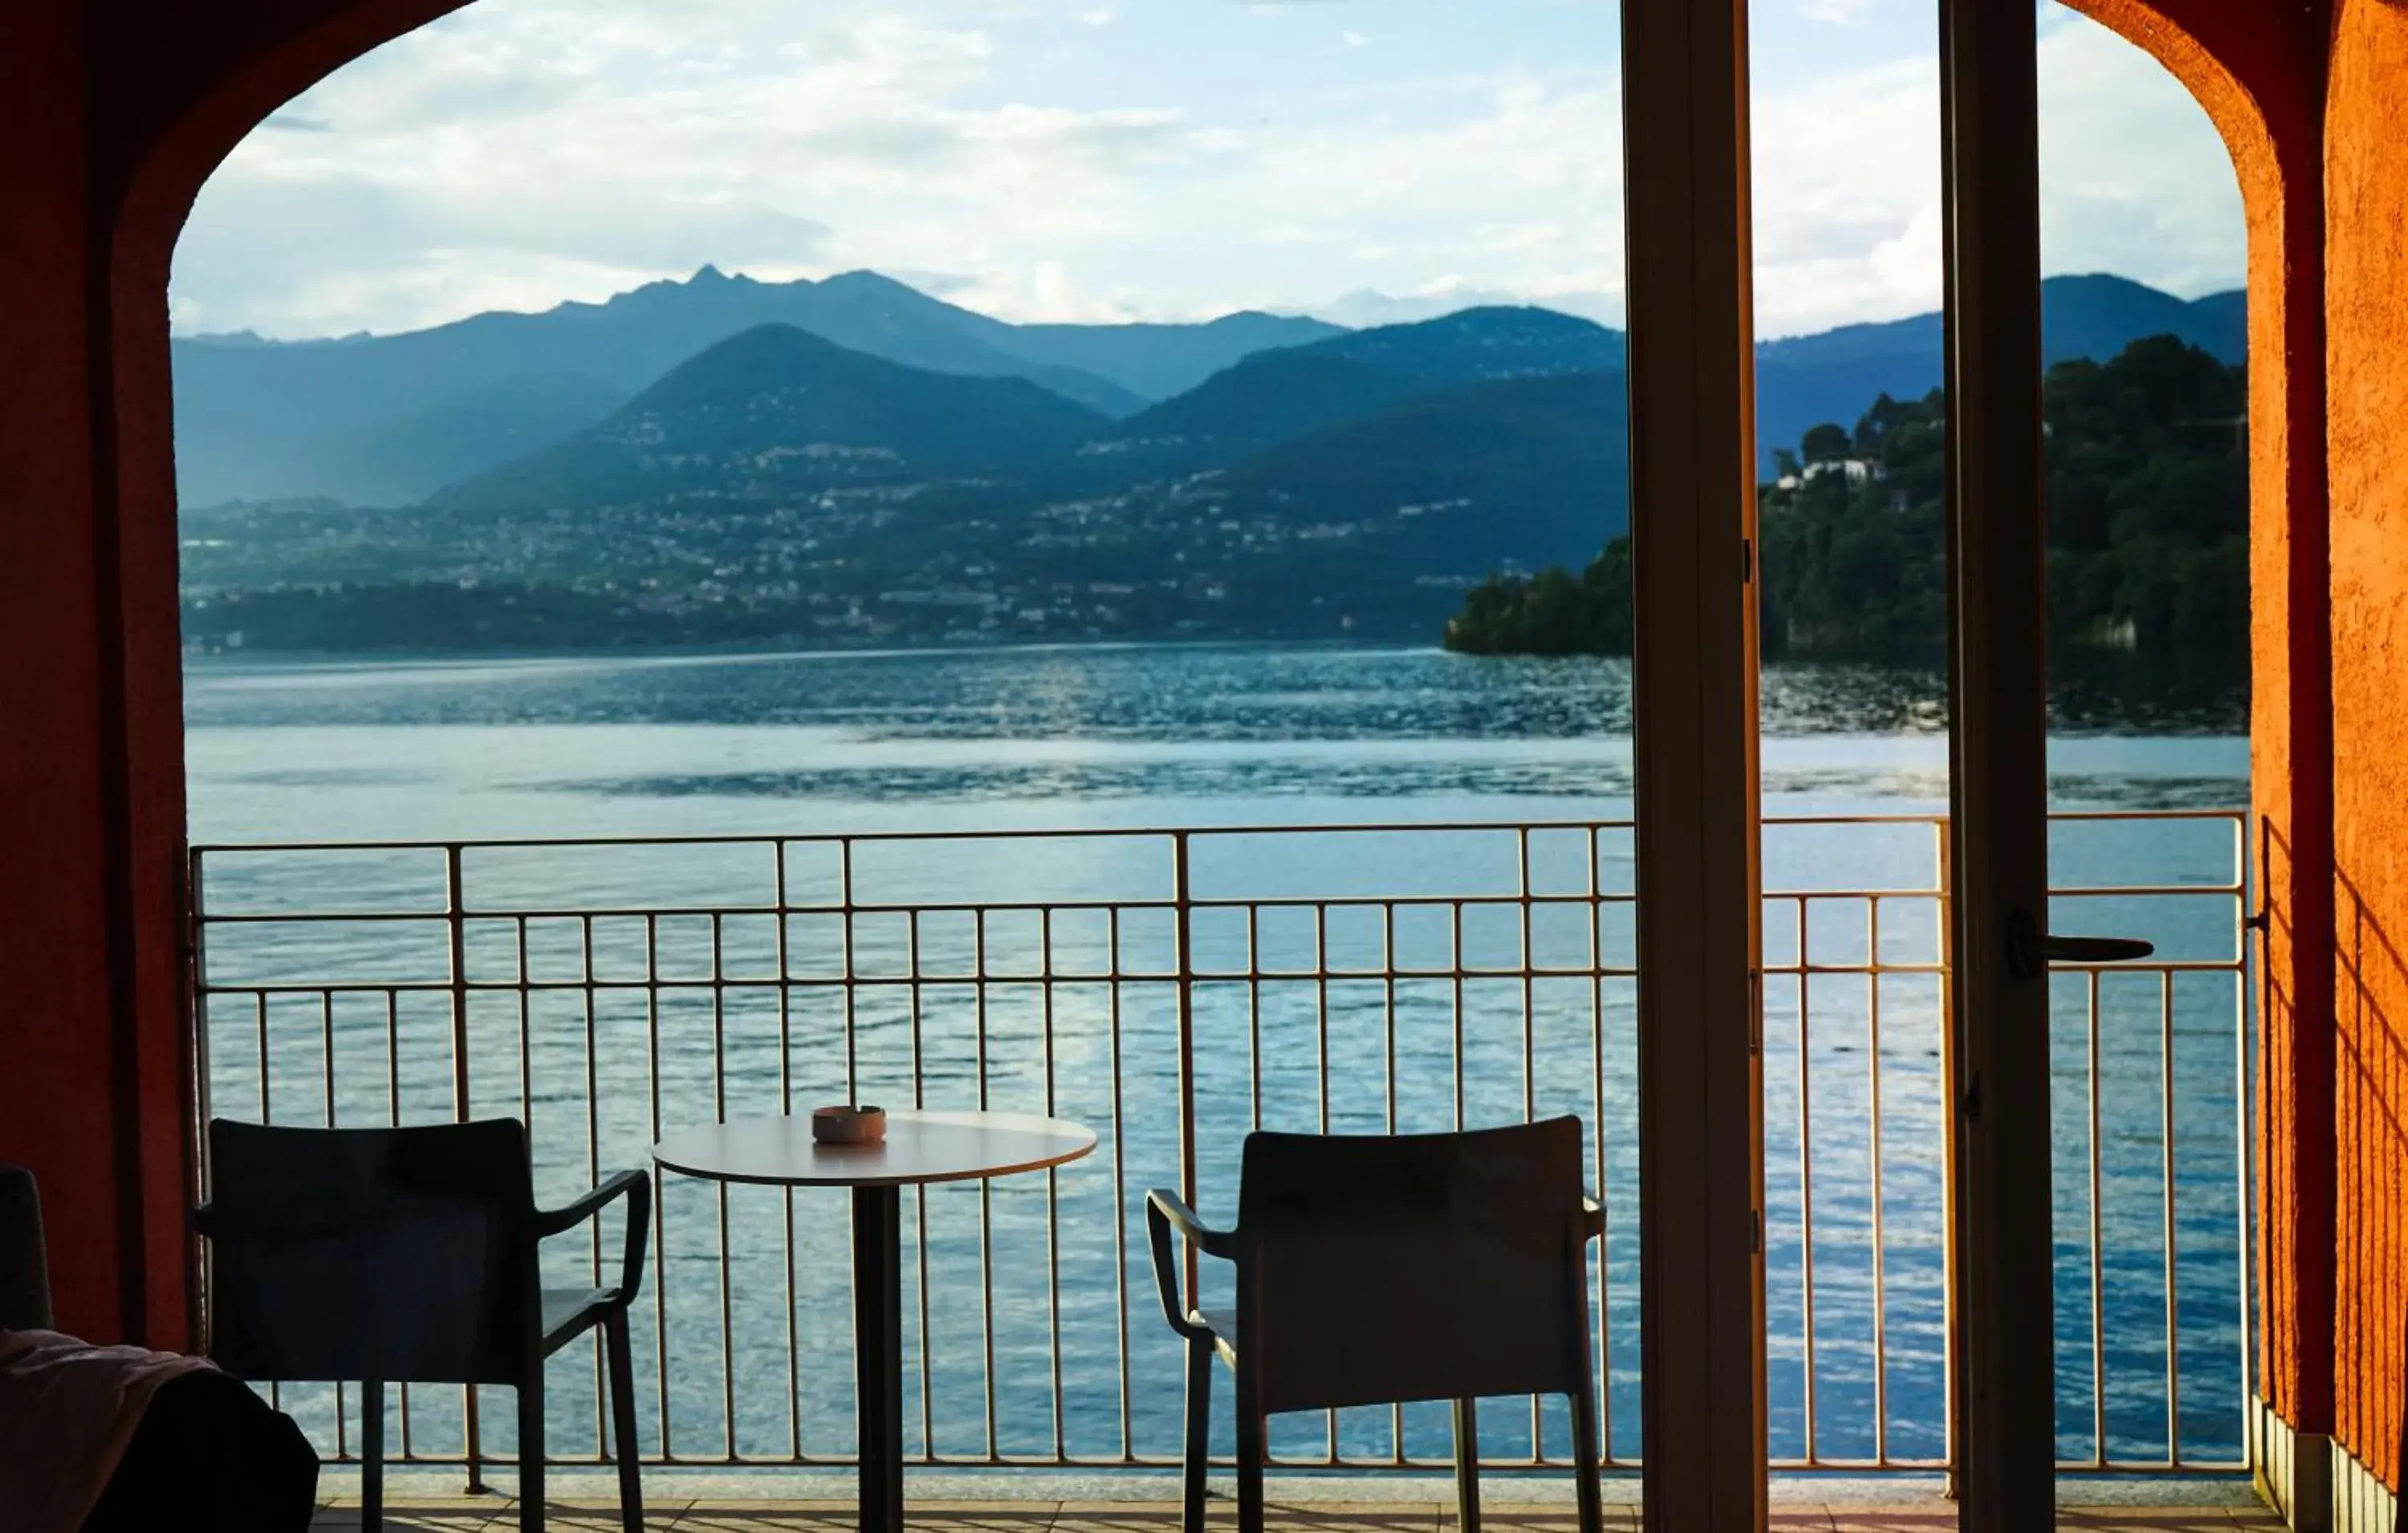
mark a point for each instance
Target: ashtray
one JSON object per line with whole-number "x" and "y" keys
{"x": 849, "y": 1124}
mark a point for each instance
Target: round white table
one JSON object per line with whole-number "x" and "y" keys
{"x": 920, "y": 1147}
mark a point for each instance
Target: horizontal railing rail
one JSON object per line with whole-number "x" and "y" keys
{"x": 1176, "y": 988}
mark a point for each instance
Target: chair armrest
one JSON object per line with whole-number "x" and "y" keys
{"x": 637, "y": 1188}
{"x": 1165, "y": 1212}
{"x": 1592, "y": 1219}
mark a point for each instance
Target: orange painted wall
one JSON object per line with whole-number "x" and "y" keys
{"x": 2366, "y": 192}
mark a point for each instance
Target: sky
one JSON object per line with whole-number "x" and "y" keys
{"x": 1108, "y": 159}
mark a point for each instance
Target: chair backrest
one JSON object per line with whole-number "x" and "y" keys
{"x": 25, "y": 1266}
{"x": 385, "y": 1254}
{"x": 1412, "y": 1266}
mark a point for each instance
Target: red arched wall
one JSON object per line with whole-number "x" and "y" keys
{"x": 111, "y": 115}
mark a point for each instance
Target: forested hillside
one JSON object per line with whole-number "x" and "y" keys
{"x": 2147, "y": 532}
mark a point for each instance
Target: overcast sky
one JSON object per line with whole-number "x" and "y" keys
{"x": 1096, "y": 160}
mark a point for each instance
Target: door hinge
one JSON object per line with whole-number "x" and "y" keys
{"x": 1746, "y": 561}
{"x": 1755, "y": 1237}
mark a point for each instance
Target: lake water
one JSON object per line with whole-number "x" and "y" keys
{"x": 1079, "y": 1010}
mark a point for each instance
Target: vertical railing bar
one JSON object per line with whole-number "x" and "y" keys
{"x": 1184, "y": 1016}
{"x": 1388, "y": 1044}
{"x": 920, "y": 1194}
{"x": 2097, "y": 1284}
{"x": 1321, "y": 1005}
{"x": 593, "y": 1177}
{"x": 2165, "y": 1103}
{"x": 1053, "y": 1208}
{"x": 392, "y": 1120}
{"x": 198, "y": 994}
{"x": 266, "y": 1116}
{"x": 526, "y": 1043}
{"x": 1255, "y": 1017}
{"x": 1881, "y": 1307}
{"x": 2252, "y": 879}
{"x": 266, "y": 1097}
{"x": 326, "y": 1052}
{"x": 1604, "y": 1192}
{"x": 1806, "y": 1168}
{"x": 719, "y": 1114}
{"x": 786, "y": 1104}
{"x": 852, "y": 1064}
{"x": 1529, "y": 1049}
{"x": 456, "y": 904}
{"x": 1944, "y": 865}
{"x": 1529, "y": 1009}
{"x": 392, "y": 1057}
{"x": 326, "y": 1049}
{"x": 660, "y": 1204}
{"x": 986, "y": 1189}
{"x": 1321, "y": 1089}
{"x": 1454, "y": 963}
{"x": 1120, "y": 1179}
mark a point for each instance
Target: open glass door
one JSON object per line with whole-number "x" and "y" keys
{"x": 2005, "y": 1451}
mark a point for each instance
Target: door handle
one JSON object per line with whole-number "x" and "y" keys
{"x": 2030, "y": 950}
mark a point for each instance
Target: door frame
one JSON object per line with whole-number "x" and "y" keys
{"x": 1692, "y": 392}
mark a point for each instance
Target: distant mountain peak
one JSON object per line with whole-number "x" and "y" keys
{"x": 866, "y": 281}
{"x": 780, "y": 412}
{"x": 1523, "y": 316}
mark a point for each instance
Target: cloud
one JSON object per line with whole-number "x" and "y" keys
{"x": 1049, "y": 167}
{"x": 1835, "y": 12}
{"x": 2133, "y": 179}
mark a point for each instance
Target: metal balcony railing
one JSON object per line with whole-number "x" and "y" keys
{"x": 1173, "y": 989}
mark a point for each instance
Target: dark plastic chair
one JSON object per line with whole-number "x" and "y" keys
{"x": 382, "y": 1256}
{"x": 24, "y": 1265}
{"x": 1371, "y": 1270}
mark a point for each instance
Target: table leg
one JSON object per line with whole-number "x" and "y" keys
{"x": 878, "y": 1353}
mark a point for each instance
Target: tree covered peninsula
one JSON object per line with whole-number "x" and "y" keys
{"x": 2147, "y": 533}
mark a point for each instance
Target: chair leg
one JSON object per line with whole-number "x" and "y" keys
{"x": 1199, "y": 1444}
{"x": 1250, "y": 1454}
{"x": 1467, "y": 1463}
{"x": 531, "y": 1448}
{"x": 371, "y": 1456}
{"x": 1584, "y": 1455}
{"x": 623, "y": 1421}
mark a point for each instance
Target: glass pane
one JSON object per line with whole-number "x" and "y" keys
{"x": 2148, "y": 507}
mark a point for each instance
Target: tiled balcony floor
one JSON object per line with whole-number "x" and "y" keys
{"x": 1793, "y": 1512}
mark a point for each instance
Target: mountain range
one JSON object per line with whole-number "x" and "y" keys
{"x": 1384, "y": 442}
{"x": 388, "y": 420}
{"x": 384, "y": 421}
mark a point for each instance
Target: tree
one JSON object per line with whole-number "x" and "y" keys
{"x": 1824, "y": 443}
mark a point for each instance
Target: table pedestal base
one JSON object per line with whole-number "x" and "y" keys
{"x": 878, "y": 1353}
